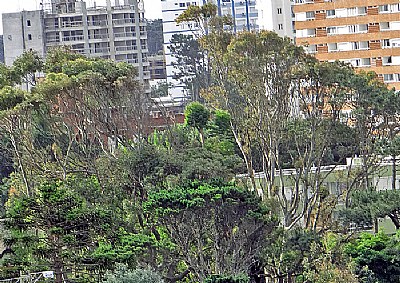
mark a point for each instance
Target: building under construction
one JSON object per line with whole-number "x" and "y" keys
{"x": 116, "y": 31}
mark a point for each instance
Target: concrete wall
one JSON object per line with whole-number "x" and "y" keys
{"x": 1, "y": 49}
{"x": 276, "y": 15}
{"x": 22, "y": 31}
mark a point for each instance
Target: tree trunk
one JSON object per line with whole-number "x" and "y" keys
{"x": 395, "y": 220}
{"x": 393, "y": 172}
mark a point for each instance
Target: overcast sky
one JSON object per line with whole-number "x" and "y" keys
{"x": 152, "y": 7}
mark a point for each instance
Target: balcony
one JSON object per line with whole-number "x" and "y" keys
{"x": 300, "y": 2}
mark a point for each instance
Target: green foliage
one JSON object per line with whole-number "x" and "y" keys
{"x": 196, "y": 115}
{"x": 198, "y": 195}
{"x": 25, "y": 66}
{"x": 327, "y": 262}
{"x": 191, "y": 65}
{"x": 58, "y": 56}
{"x": 285, "y": 251}
{"x": 5, "y": 76}
{"x": 378, "y": 253}
{"x": 160, "y": 90}
{"x": 218, "y": 223}
{"x": 367, "y": 205}
{"x": 222, "y": 121}
{"x": 123, "y": 275}
{"x": 65, "y": 213}
{"x": 10, "y": 97}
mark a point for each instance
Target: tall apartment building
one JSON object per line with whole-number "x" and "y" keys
{"x": 243, "y": 12}
{"x": 116, "y": 32}
{"x": 276, "y": 15}
{"x": 363, "y": 33}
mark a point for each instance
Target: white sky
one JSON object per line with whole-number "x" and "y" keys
{"x": 152, "y": 7}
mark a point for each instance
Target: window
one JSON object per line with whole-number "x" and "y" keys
{"x": 385, "y": 43}
{"x": 28, "y": 23}
{"x": 387, "y": 60}
{"x": 384, "y": 26}
{"x": 279, "y": 11}
{"x": 29, "y": 36}
{"x": 181, "y": 4}
{"x": 332, "y": 47}
{"x": 280, "y": 26}
{"x": 310, "y": 15}
{"x": 366, "y": 62}
{"x": 351, "y": 12}
{"x": 362, "y": 10}
{"x": 353, "y": 29}
{"x": 331, "y": 30}
{"x": 388, "y": 77}
{"x": 383, "y": 8}
{"x": 330, "y": 13}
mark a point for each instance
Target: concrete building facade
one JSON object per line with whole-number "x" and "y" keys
{"x": 1, "y": 49}
{"x": 116, "y": 31}
{"x": 243, "y": 12}
{"x": 276, "y": 15}
{"x": 365, "y": 34}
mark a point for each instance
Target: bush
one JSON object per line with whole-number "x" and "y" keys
{"x": 123, "y": 275}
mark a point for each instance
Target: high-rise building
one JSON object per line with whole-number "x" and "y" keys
{"x": 363, "y": 33}
{"x": 276, "y": 15}
{"x": 243, "y": 12}
{"x": 116, "y": 32}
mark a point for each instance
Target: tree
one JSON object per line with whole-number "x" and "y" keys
{"x": 63, "y": 128}
{"x": 56, "y": 225}
{"x": 328, "y": 262}
{"x": 190, "y": 63}
{"x": 197, "y": 116}
{"x": 24, "y": 68}
{"x": 276, "y": 95}
{"x": 368, "y": 205}
{"x": 378, "y": 253}
{"x": 216, "y": 229}
{"x": 192, "y": 57}
{"x": 155, "y": 38}
{"x": 123, "y": 275}
{"x": 285, "y": 252}
{"x": 160, "y": 90}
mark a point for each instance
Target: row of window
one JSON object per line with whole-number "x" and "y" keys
{"x": 347, "y": 12}
{"x": 355, "y": 45}
{"x": 367, "y": 62}
{"x": 348, "y": 29}
{"x": 391, "y": 78}
{"x": 185, "y": 4}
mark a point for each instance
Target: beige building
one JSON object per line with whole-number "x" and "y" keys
{"x": 364, "y": 33}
